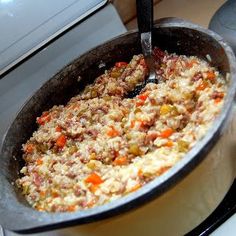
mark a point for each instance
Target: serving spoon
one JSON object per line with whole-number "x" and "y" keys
{"x": 145, "y": 24}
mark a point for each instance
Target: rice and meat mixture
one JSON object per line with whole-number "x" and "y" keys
{"x": 103, "y": 145}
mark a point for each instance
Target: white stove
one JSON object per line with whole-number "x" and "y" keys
{"x": 17, "y": 85}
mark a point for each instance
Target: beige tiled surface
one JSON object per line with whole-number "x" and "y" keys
{"x": 197, "y": 11}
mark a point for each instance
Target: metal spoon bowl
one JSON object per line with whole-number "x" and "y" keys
{"x": 145, "y": 25}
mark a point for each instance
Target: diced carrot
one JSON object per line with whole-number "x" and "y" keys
{"x": 140, "y": 173}
{"x": 143, "y": 96}
{"x": 132, "y": 123}
{"x": 46, "y": 113}
{"x": 47, "y": 118}
{"x": 210, "y": 75}
{"x": 163, "y": 169}
{"x": 29, "y": 148}
{"x": 136, "y": 187}
{"x": 192, "y": 63}
{"x": 58, "y": 128}
{"x": 39, "y": 162}
{"x": 71, "y": 208}
{"x": 61, "y": 141}
{"x": 42, "y": 194}
{"x": 169, "y": 143}
{"x": 112, "y": 132}
{"x": 94, "y": 179}
{"x": 93, "y": 188}
{"x": 202, "y": 85}
{"x": 218, "y": 100}
{"x": 55, "y": 194}
{"x": 122, "y": 160}
{"x": 40, "y": 121}
{"x": 121, "y": 64}
{"x": 139, "y": 103}
{"x": 44, "y": 118}
{"x": 166, "y": 133}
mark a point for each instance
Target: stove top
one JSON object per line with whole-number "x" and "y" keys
{"x": 222, "y": 213}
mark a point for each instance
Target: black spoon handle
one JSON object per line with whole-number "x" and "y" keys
{"x": 144, "y": 15}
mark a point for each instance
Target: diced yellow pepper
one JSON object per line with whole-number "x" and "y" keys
{"x": 73, "y": 149}
{"x": 92, "y": 165}
{"x": 92, "y": 156}
{"x": 115, "y": 74}
{"x": 165, "y": 109}
{"x": 134, "y": 149}
{"x": 183, "y": 145}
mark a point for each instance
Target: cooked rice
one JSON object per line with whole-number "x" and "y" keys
{"x": 102, "y": 145}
